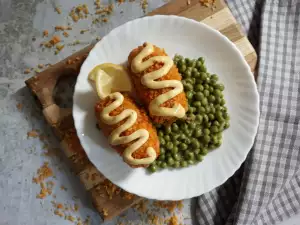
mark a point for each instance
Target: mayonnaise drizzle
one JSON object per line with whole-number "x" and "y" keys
{"x": 148, "y": 80}
{"x": 115, "y": 138}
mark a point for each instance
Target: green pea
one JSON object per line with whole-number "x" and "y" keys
{"x": 182, "y": 68}
{"x": 174, "y": 149}
{"x": 204, "y": 151}
{"x": 176, "y": 164}
{"x": 219, "y": 143}
{"x": 191, "y": 162}
{"x": 195, "y": 143}
{"x": 152, "y": 168}
{"x": 201, "y": 59}
{"x": 211, "y": 98}
{"x": 214, "y": 129}
{"x": 160, "y": 133}
{"x": 199, "y": 118}
{"x": 182, "y": 136}
{"x": 176, "y": 156}
{"x": 227, "y": 124}
{"x": 184, "y": 163}
{"x": 163, "y": 165}
{"x": 220, "y": 87}
{"x": 189, "y": 94}
{"x": 197, "y": 151}
{"x": 214, "y": 77}
{"x": 162, "y": 157}
{"x": 198, "y": 64}
{"x": 191, "y": 156}
{"x": 162, "y": 150}
{"x": 162, "y": 141}
{"x": 206, "y": 93}
{"x": 188, "y": 72}
{"x": 189, "y": 80}
{"x": 202, "y": 68}
{"x": 199, "y": 87}
{"x": 195, "y": 72}
{"x": 198, "y": 133}
{"x": 169, "y": 145}
{"x": 175, "y": 127}
{"x": 211, "y": 116}
{"x": 204, "y": 101}
{"x": 187, "y": 141}
{"x": 206, "y": 131}
{"x": 199, "y": 95}
{"x": 205, "y": 118}
{"x": 203, "y": 76}
{"x": 192, "y": 109}
{"x": 170, "y": 161}
{"x": 181, "y": 62}
{"x": 217, "y": 93}
{"x": 197, "y": 103}
{"x": 219, "y": 135}
{"x": 183, "y": 146}
{"x": 158, "y": 163}
{"x": 183, "y": 126}
{"x": 211, "y": 89}
{"x": 214, "y": 139}
{"x": 168, "y": 129}
{"x": 199, "y": 157}
{"x": 201, "y": 110}
{"x": 206, "y": 138}
{"x": 176, "y": 143}
{"x": 188, "y": 87}
{"x": 222, "y": 102}
{"x": 187, "y": 60}
{"x": 219, "y": 116}
{"x": 192, "y": 126}
{"x": 206, "y": 86}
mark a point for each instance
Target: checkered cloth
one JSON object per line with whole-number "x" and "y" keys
{"x": 266, "y": 189}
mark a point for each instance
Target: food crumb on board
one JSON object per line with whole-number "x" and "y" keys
{"x": 105, "y": 212}
{"x": 104, "y": 20}
{"x": 19, "y": 106}
{"x": 42, "y": 173}
{"x": 32, "y": 134}
{"x": 144, "y": 5}
{"x": 41, "y": 66}
{"x": 83, "y": 31}
{"x": 27, "y": 71}
{"x": 45, "y": 33}
{"x": 66, "y": 34}
{"x": 121, "y": 1}
{"x": 63, "y": 188}
{"x": 58, "y": 10}
{"x": 208, "y": 3}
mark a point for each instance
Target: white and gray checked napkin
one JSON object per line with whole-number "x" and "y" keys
{"x": 266, "y": 189}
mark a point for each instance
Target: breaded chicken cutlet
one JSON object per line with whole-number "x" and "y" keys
{"x": 142, "y": 122}
{"x": 147, "y": 95}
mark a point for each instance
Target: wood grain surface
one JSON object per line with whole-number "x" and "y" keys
{"x": 108, "y": 199}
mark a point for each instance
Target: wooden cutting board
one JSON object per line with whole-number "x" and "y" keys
{"x": 109, "y": 200}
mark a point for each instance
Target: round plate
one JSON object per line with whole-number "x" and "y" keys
{"x": 190, "y": 39}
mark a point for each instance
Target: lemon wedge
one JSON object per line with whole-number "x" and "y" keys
{"x": 109, "y": 78}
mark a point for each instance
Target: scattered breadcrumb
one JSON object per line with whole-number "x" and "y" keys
{"x": 105, "y": 212}
{"x": 27, "y": 71}
{"x": 41, "y": 66}
{"x": 58, "y": 10}
{"x": 62, "y": 28}
{"x": 55, "y": 39}
{"x": 173, "y": 220}
{"x": 19, "y": 106}
{"x": 70, "y": 218}
{"x": 97, "y": 4}
{"x": 42, "y": 173}
{"x": 45, "y": 33}
{"x": 144, "y": 5}
{"x": 108, "y": 9}
{"x": 58, "y": 213}
{"x": 79, "y": 12}
{"x": 63, "y": 188}
{"x": 188, "y": 2}
{"x": 83, "y": 31}
{"x": 207, "y": 3}
{"x": 32, "y": 134}
{"x": 104, "y": 20}
{"x": 66, "y": 34}
{"x": 127, "y": 195}
{"x": 121, "y": 1}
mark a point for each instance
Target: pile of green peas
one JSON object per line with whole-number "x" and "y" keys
{"x": 187, "y": 140}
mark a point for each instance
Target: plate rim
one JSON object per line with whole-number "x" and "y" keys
{"x": 243, "y": 61}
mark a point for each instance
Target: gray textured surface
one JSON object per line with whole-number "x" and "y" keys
{"x": 21, "y": 26}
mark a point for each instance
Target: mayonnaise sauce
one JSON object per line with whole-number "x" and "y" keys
{"x": 115, "y": 138}
{"x": 149, "y": 80}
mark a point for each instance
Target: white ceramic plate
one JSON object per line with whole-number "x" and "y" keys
{"x": 190, "y": 39}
